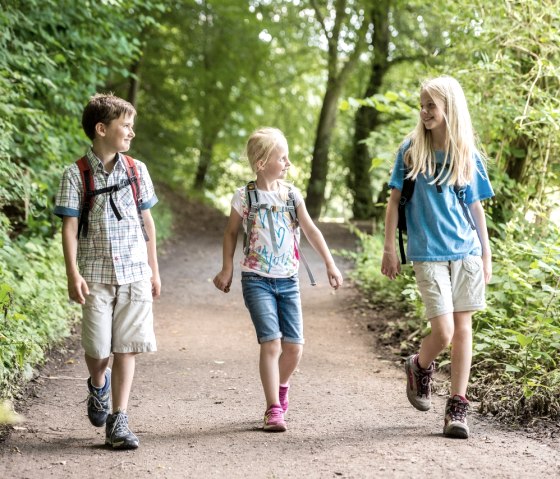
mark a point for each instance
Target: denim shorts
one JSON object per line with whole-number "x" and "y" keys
{"x": 275, "y": 307}
{"x": 451, "y": 286}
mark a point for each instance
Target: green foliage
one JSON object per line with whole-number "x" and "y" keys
{"x": 516, "y": 339}
{"x": 53, "y": 56}
{"x": 35, "y": 313}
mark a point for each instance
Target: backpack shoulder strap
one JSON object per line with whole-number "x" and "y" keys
{"x": 134, "y": 177}
{"x": 134, "y": 180}
{"x": 406, "y": 195}
{"x": 291, "y": 205}
{"x": 252, "y": 197}
{"x": 460, "y": 192}
{"x": 88, "y": 184}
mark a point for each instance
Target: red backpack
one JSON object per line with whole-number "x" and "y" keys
{"x": 90, "y": 192}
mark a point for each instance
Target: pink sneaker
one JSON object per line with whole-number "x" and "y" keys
{"x": 274, "y": 419}
{"x": 284, "y": 401}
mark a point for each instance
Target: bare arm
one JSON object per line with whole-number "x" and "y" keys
{"x": 152, "y": 252}
{"x": 390, "y": 265}
{"x": 223, "y": 279}
{"x": 316, "y": 239}
{"x": 77, "y": 286}
{"x": 477, "y": 213}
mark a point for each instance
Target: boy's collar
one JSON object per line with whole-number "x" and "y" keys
{"x": 96, "y": 163}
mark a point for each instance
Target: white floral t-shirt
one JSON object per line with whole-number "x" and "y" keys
{"x": 262, "y": 259}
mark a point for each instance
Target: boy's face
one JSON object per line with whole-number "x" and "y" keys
{"x": 117, "y": 135}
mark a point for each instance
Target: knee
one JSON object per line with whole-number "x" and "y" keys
{"x": 271, "y": 348}
{"x": 462, "y": 333}
{"x": 444, "y": 336}
{"x": 292, "y": 349}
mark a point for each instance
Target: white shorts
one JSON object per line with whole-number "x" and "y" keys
{"x": 451, "y": 286}
{"x": 118, "y": 319}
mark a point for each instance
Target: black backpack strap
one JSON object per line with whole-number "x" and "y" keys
{"x": 460, "y": 192}
{"x": 406, "y": 195}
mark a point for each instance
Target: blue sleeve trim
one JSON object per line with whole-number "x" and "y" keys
{"x": 146, "y": 205}
{"x": 62, "y": 211}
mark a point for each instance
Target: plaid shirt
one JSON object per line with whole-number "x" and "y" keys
{"x": 114, "y": 252}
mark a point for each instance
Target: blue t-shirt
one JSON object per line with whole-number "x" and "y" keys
{"x": 437, "y": 227}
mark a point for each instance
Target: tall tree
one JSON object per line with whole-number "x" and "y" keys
{"x": 344, "y": 25}
{"x": 367, "y": 118}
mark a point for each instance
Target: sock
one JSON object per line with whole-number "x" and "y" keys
{"x": 287, "y": 385}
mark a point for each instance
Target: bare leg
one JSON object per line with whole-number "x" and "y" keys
{"x": 439, "y": 338}
{"x": 289, "y": 360}
{"x": 268, "y": 367}
{"x": 123, "y": 373}
{"x": 96, "y": 369}
{"x": 461, "y": 353}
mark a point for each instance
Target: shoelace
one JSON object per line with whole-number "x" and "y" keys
{"x": 120, "y": 426}
{"x": 274, "y": 415}
{"x": 97, "y": 404}
{"x": 423, "y": 380}
{"x": 458, "y": 410}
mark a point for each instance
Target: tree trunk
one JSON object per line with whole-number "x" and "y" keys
{"x": 319, "y": 163}
{"x": 206, "y": 151}
{"x": 367, "y": 118}
{"x": 133, "y": 83}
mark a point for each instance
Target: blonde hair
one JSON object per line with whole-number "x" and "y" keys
{"x": 260, "y": 146}
{"x": 460, "y": 144}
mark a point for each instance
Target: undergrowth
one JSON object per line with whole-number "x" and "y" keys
{"x": 515, "y": 373}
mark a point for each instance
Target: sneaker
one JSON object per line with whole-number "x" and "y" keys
{"x": 99, "y": 401}
{"x": 284, "y": 401}
{"x": 418, "y": 383}
{"x": 117, "y": 433}
{"x": 456, "y": 417}
{"x": 274, "y": 419}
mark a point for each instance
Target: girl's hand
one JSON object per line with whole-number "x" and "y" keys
{"x": 487, "y": 268}
{"x": 222, "y": 281}
{"x": 334, "y": 275}
{"x": 390, "y": 265}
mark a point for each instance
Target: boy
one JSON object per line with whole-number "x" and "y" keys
{"x": 112, "y": 269}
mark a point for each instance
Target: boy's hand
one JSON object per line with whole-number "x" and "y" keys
{"x": 78, "y": 289}
{"x": 156, "y": 286}
{"x": 222, "y": 281}
{"x": 390, "y": 265}
{"x": 335, "y": 277}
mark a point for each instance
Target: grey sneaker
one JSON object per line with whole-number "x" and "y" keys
{"x": 455, "y": 424}
{"x": 117, "y": 433}
{"x": 418, "y": 383}
{"x": 99, "y": 401}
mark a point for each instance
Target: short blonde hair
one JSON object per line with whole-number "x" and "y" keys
{"x": 261, "y": 144}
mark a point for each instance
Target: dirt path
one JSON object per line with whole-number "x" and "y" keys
{"x": 197, "y": 403}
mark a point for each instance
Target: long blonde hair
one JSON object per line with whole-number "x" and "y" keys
{"x": 460, "y": 143}
{"x": 260, "y": 146}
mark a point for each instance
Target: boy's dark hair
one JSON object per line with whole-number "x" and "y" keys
{"x": 104, "y": 108}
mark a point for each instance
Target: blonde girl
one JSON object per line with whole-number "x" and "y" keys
{"x": 269, "y": 268}
{"x": 447, "y": 243}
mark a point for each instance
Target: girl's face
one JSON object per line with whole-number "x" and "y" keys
{"x": 431, "y": 114}
{"x": 277, "y": 166}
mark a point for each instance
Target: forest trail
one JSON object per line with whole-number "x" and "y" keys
{"x": 197, "y": 403}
